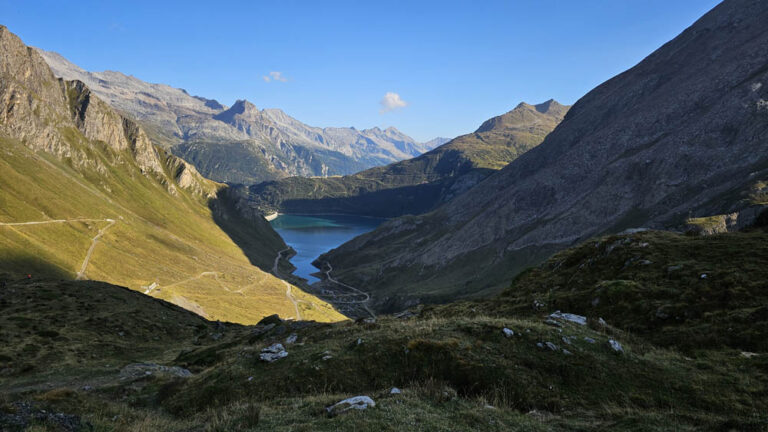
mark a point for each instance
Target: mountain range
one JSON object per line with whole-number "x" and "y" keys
{"x": 414, "y": 185}
{"x": 679, "y": 139}
{"x": 241, "y": 143}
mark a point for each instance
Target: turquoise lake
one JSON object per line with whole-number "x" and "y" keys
{"x": 311, "y": 236}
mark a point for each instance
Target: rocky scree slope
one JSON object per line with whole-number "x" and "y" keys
{"x": 239, "y": 144}
{"x": 682, "y": 134}
{"x": 416, "y": 185}
{"x": 85, "y": 194}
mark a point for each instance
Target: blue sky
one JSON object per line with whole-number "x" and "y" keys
{"x": 447, "y": 65}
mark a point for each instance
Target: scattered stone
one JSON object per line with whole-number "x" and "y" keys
{"x": 87, "y": 388}
{"x": 507, "y": 332}
{"x": 138, "y": 370}
{"x": 602, "y": 322}
{"x": 552, "y": 346}
{"x": 121, "y": 334}
{"x": 356, "y": 403}
{"x": 703, "y": 275}
{"x": 642, "y": 245}
{"x": 646, "y": 262}
{"x": 537, "y": 305}
{"x": 670, "y": 269}
{"x": 326, "y": 355}
{"x": 489, "y": 407}
{"x": 395, "y": 390}
{"x": 370, "y": 320}
{"x": 273, "y": 353}
{"x": 553, "y": 323}
{"x": 748, "y": 354}
{"x": 291, "y": 339}
{"x": 539, "y": 344}
{"x": 359, "y": 341}
{"x": 578, "y": 319}
{"x": 566, "y": 352}
{"x": 567, "y": 340}
{"x": 589, "y": 339}
{"x": 616, "y": 346}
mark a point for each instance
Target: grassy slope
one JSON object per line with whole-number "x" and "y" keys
{"x": 451, "y": 361}
{"x": 157, "y": 238}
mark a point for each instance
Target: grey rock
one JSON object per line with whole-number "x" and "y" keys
{"x": 551, "y": 346}
{"x": 291, "y": 338}
{"x": 395, "y": 390}
{"x": 589, "y": 339}
{"x": 507, "y": 332}
{"x": 616, "y": 346}
{"x": 353, "y": 403}
{"x": 576, "y": 319}
{"x": 273, "y": 353}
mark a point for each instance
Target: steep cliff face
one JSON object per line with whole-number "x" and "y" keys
{"x": 419, "y": 184}
{"x": 84, "y": 194}
{"x": 241, "y": 143}
{"x": 682, "y": 134}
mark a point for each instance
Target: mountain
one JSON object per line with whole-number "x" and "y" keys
{"x": 84, "y": 194}
{"x": 239, "y": 144}
{"x": 415, "y": 185}
{"x": 681, "y": 137}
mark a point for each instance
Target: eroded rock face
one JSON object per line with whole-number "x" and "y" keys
{"x": 63, "y": 118}
{"x": 684, "y": 133}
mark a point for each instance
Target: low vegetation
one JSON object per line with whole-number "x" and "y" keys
{"x": 699, "y": 364}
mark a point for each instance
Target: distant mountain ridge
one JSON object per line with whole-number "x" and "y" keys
{"x": 240, "y": 144}
{"x": 416, "y": 185}
{"x": 680, "y": 137}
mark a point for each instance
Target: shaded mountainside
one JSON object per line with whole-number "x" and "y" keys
{"x": 127, "y": 361}
{"x": 683, "y": 134}
{"x": 84, "y": 194}
{"x": 420, "y": 184}
{"x": 240, "y": 144}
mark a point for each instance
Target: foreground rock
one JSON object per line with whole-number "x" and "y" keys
{"x": 273, "y": 353}
{"x": 353, "y": 403}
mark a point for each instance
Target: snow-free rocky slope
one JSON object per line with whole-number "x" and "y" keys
{"x": 683, "y": 134}
{"x": 240, "y": 144}
{"x": 415, "y": 185}
{"x": 84, "y": 194}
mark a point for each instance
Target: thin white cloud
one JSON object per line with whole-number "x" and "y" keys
{"x": 274, "y": 76}
{"x": 391, "y": 101}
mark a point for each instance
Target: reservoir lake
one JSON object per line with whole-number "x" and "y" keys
{"x": 312, "y": 235}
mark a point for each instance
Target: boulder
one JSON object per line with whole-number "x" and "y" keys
{"x": 616, "y": 346}
{"x": 353, "y": 403}
{"x": 273, "y": 353}
{"x": 577, "y": 319}
{"x": 507, "y": 332}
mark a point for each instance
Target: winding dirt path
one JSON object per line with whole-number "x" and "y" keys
{"x": 287, "y": 285}
{"x": 363, "y": 302}
{"x": 81, "y": 273}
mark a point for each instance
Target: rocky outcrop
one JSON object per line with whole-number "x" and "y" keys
{"x": 63, "y": 118}
{"x": 682, "y": 134}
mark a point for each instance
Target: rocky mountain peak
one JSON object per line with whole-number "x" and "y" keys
{"x": 521, "y": 114}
